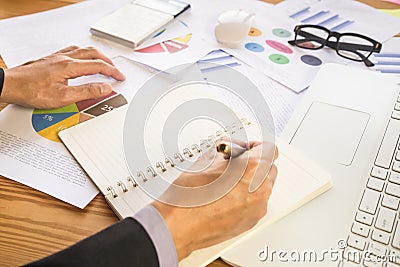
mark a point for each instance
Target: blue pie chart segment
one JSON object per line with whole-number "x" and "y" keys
{"x": 254, "y": 47}
{"x": 42, "y": 121}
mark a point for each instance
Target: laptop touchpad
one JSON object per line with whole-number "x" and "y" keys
{"x": 330, "y": 133}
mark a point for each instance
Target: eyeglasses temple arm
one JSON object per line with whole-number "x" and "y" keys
{"x": 364, "y": 58}
{"x": 352, "y": 47}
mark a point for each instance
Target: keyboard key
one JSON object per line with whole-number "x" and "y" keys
{"x": 349, "y": 264}
{"x": 375, "y": 184}
{"x": 396, "y": 237}
{"x": 364, "y": 218}
{"x": 377, "y": 248}
{"x": 391, "y": 264}
{"x": 397, "y": 106}
{"x": 356, "y": 242}
{"x": 372, "y": 263}
{"x": 352, "y": 255}
{"x": 390, "y": 202}
{"x": 360, "y": 229}
{"x": 369, "y": 201}
{"x": 388, "y": 144}
{"x": 395, "y": 176}
{"x": 394, "y": 257}
{"x": 393, "y": 189}
{"x": 396, "y": 115}
{"x": 380, "y": 236}
{"x": 396, "y": 166}
{"x": 385, "y": 220}
{"x": 379, "y": 172}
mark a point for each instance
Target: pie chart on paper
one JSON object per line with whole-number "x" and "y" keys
{"x": 48, "y": 122}
{"x": 166, "y": 41}
{"x": 169, "y": 46}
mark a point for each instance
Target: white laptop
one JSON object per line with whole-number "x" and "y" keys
{"x": 341, "y": 123}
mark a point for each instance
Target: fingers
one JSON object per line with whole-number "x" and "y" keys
{"x": 87, "y": 53}
{"x": 248, "y": 145}
{"x": 67, "y": 49}
{"x": 86, "y": 91}
{"x": 77, "y": 52}
{"x": 94, "y": 66}
{"x": 254, "y": 144}
{"x": 89, "y": 61}
{"x": 235, "y": 141}
{"x": 64, "y": 50}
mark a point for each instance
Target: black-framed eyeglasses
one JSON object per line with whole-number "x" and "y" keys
{"x": 352, "y": 46}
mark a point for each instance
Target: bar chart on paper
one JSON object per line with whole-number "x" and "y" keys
{"x": 388, "y": 63}
{"x": 341, "y": 16}
{"x": 219, "y": 59}
{"x": 47, "y": 123}
{"x": 388, "y": 60}
{"x": 326, "y": 18}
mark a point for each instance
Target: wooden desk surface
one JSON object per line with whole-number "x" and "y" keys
{"x": 33, "y": 224}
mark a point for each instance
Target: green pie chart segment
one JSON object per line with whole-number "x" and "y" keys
{"x": 67, "y": 109}
{"x": 48, "y": 122}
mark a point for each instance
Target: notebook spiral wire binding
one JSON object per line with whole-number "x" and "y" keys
{"x": 186, "y": 152}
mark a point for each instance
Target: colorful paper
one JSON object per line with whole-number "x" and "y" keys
{"x": 393, "y": 12}
{"x": 392, "y": 1}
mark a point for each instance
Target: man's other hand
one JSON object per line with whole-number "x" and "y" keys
{"x": 43, "y": 83}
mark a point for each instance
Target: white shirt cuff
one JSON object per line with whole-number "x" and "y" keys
{"x": 155, "y": 226}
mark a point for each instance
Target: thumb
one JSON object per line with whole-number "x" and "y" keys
{"x": 88, "y": 91}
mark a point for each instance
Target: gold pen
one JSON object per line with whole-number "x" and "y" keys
{"x": 230, "y": 150}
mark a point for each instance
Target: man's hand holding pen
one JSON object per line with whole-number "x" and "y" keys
{"x": 230, "y": 149}
{"x": 243, "y": 206}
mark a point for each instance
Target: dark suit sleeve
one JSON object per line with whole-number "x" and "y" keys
{"x": 125, "y": 243}
{"x": 1, "y": 80}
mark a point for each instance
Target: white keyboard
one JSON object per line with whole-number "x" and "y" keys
{"x": 375, "y": 233}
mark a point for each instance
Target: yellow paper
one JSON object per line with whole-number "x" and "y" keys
{"x": 393, "y": 12}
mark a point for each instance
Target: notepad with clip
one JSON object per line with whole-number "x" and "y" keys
{"x": 133, "y": 23}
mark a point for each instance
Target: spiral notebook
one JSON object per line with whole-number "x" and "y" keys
{"x": 97, "y": 145}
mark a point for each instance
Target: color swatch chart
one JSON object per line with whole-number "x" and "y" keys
{"x": 47, "y": 123}
{"x": 266, "y": 48}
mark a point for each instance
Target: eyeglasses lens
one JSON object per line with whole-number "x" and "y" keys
{"x": 354, "y": 47}
{"x": 311, "y": 38}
